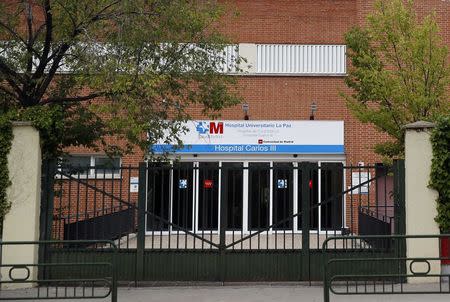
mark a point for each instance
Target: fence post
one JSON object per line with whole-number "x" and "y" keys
{"x": 305, "y": 214}
{"x": 326, "y": 282}
{"x": 46, "y": 215}
{"x": 114, "y": 275}
{"x": 420, "y": 200}
{"x": 399, "y": 197}
{"x": 140, "y": 245}
{"x": 223, "y": 223}
{"x": 21, "y": 223}
{"x": 399, "y": 214}
{"x": 47, "y": 199}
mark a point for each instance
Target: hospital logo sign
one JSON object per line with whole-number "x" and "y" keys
{"x": 204, "y": 128}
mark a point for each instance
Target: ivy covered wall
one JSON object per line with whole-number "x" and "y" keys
{"x": 440, "y": 171}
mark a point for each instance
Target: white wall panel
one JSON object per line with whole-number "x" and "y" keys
{"x": 301, "y": 59}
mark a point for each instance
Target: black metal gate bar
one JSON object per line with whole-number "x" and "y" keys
{"x": 306, "y": 170}
{"x": 399, "y": 197}
{"x": 46, "y": 208}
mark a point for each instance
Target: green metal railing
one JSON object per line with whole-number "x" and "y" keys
{"x": 382, "y": 275}
{"x": 37, "y": 277}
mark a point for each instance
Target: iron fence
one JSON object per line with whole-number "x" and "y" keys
{"x": 391, "y": 272}
{"x": 61, "y": 280}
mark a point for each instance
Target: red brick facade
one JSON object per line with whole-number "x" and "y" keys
{"x": 289, "y": 97}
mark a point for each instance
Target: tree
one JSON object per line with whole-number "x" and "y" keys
{"x": 103, "y": 73}
{"x": 399, "y": 71}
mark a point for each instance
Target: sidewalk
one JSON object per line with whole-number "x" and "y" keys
{"x": 250, "y": 293}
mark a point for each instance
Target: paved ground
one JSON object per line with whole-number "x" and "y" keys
{"x": 250, "y": 293}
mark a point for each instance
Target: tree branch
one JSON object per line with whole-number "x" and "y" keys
{"x": 47, "y": 42}
{"x": 393, "y": 113}
{"x": 40, "y": 89}
{"x": 73, "y": 99}
{"x": 18, "y": 37}
{"x": 12, "y": 32}
{"x": 60, "y": 53}
{"x": 12, "y": 74}
{"x": 29, "y": 18}
{"x": 71, "y": 17}
{"x": 7, "y": 91}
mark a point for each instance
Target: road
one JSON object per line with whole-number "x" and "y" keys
{"x": 245, "y": 293}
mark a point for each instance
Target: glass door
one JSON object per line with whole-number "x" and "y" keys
{"x": 158, "y": 197}
{"x": 182, "y": 195}
{"x": 312, "y": 182}
{"x": 234, "y": 187}
{"x": 189, "y": 194}
{"x": 208, "y": 196}
{"x": 283, "y": 197}
{"x": 258, "y": 195}
{"x": 331, "y": 188}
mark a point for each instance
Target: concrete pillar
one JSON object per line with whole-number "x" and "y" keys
{"x": 249, "y": 52}
{"x": 22, "y": 221}
{"x": 420, "y": 199}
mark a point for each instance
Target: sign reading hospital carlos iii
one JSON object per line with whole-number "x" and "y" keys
{"x": 311, "y": 137}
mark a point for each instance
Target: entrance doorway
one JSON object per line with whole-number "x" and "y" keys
{"x": 260, "y": 195}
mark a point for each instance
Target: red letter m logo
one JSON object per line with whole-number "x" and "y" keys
{"x": 215, "y": 128}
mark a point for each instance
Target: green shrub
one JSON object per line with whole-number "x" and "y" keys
{"x": 440, "y": 171}
{"x": 6, "y": 136}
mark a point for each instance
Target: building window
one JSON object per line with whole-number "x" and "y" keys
{"x": 107, "y": 165}
{"x": 91, "y": 166}
{"x": 75, "y": 165}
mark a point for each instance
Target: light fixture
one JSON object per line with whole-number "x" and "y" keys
{"x": 313, "y": 110}
{"x": 245, "y": 109}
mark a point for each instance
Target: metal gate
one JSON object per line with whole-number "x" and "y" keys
{"x": 220, "y": 221}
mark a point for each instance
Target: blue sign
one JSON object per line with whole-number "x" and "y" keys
{"x": 282, "y": 183}
{"x": 258, "y": 137}
{"x": 182, "y": 184}
{"x": 202, "y": 127}
{"x": 270, "y": 149}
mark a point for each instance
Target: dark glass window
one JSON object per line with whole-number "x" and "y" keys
{"x": 182, "y": 196}
{"x": 107, "y": 165}
{"x": 208, "y": 196}
{"x": 76, "y": 164}
{"x": 89, "y": 165}
{"x": 282, "y": 196}
{"x": 259, "y": 195}
{"x": 311, "y": 182}
{"x": 331, "y": 195}
{"x": 158, "y": 196}
{"x": 233, "y": 186}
